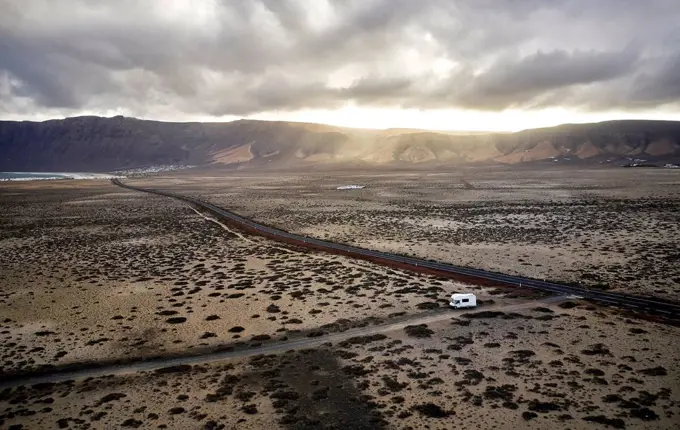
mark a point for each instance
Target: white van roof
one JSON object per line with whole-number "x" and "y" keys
{"x": 461, "y": 295}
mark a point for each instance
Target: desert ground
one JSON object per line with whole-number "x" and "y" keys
{"x": 94, "y": 273}
{"x": 611, "y": 228}
{"x": 105, "y": 273}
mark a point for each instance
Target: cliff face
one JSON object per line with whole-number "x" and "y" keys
{"x": 612, "y": 139}
{"x": 92, "y": 143}
{"x": 100, "y": 144}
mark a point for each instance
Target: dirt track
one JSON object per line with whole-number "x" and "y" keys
{"x": 225, "y": 352}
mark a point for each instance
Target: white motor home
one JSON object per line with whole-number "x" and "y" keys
{"x": 466, "y": 300}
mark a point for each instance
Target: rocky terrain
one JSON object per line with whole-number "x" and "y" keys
{"x": 569, "y": 365}
{"x": 104, "y": 144}
{"x": 92, "y": 272}
{"x": 602, "y": 228}
{"x": 95, "y": 273}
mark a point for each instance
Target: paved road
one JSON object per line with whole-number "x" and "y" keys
{"x": 266, "y": 348}
{"x": 647, "y": 304}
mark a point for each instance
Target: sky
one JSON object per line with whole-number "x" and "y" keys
{"x": 433, "y": 64}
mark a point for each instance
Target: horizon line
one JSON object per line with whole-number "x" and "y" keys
{"x": 415, "y": 129}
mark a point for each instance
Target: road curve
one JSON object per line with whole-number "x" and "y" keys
{"x": 658, "y": 307}
{"x": 245, "y": 350}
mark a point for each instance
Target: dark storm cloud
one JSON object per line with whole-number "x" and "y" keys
{"x": 519, "y": 82}
{"x": 241, "y": 57}
{"x": 659, "y": 87}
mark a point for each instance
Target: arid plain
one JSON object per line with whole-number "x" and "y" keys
{"x": 603, "y": 228}
{"x": 95, "y": 273}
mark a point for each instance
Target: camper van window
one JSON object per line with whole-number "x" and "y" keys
{"x": 456, "y": 302}
{"x": 466, "y": 300}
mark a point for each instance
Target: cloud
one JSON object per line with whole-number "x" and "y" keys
{"x": 243, "y": 57}
{"x": 525, "y": 81}
{"x": 662, "y": 86}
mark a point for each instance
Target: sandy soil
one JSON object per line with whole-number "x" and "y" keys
{"x": 556, "y": 367}
{"x": 603, "y": 228}
{"x": 91, "y": 272}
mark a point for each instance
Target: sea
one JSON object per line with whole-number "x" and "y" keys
{"x": 42, "y": 176}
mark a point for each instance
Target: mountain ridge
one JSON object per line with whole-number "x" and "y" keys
{"x": 92, "y": 143}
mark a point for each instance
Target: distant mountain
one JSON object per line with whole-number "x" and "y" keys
{"x": 104, "y": 144}
{"x": 614, "y": 140}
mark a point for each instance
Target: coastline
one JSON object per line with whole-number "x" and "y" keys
{"x": 51, "y": 176}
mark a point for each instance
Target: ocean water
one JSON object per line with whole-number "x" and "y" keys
{"x": 38, "y": 176}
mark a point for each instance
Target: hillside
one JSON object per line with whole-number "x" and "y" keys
{"x": 101, "y": 144}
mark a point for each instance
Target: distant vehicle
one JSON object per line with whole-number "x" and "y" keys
{"x": 350, "y": 187}
{"x": 466, "y": 300}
